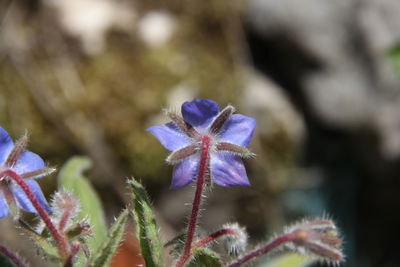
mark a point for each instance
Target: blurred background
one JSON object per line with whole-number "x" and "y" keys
{"x": 87, "y": 77}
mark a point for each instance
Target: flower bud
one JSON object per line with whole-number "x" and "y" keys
{"x": 66, "y": 207}
{"x": 318, "y": 237}
{"x": 236, "y": 241}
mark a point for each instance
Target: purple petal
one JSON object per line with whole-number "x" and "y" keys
{"x": 24, "y": 202}
{"x": 28, "y": 162}
{"x": 184, "y": 172}
{"x": 6, "y": 145}
{"x": 199, "y": 112}
{"x": 3, "y": 207}
{"x": 228, "y": 170}
{"x": 169, "y": 136}
{"x": 238, "y": 130}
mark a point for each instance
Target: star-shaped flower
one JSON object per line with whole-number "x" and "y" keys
{"x": 229, "y": 136}
{"x": 28, "y": 166}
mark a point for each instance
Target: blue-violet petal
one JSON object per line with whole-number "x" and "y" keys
{"x": 6, "y": 144}
{"x": 184, "y": 172}
{"x": 3, "y": 206}
{"x": 24, "y": 202}
{"x": 169, "y": 136}
{"x": 228, "y": 170}
{"x": 199, "y": 112}
{"x": 28, "y": 162}
{"x": 238, "y": 130}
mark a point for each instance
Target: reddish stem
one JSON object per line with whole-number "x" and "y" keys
{"x": 205, "y": 140}
{"x": 66, "y": 215}
{"x": 213, "y": 236}
{"x": 60, "y": 240}
{"x": 74, "y": 250}
{"x": 64, "y": 219}
{"x": 11, "y": 256}
{"x": 264, "y": 249}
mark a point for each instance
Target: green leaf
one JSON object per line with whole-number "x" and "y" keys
{"x": 146, "y": 227}
{"x": 71, "y": 179}
{"x": 203, "y": 257}
{"x": 47, "y": 247}
{"x": 104, "y": 254}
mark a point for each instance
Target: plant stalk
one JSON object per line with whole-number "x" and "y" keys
{"x": 264, "y": 249}
{"x": 213, "y": 236}
{"x": 205, "y": 140}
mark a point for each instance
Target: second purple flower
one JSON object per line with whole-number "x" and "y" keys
{"x": 229, "y": 136}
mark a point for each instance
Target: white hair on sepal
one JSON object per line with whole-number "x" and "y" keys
{"x": 236, "y": 242}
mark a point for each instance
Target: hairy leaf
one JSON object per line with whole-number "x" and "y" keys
{"x": 204, "y": 257}
{"x": 146, "y": 227}
{"x": 47, "y": 247}
{"x": 105, "y": 252}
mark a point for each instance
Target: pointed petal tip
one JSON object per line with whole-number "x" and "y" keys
{"x": 177, "y": 186}
{"x": 184, "y": 172}
{"x": 221, "y": 183}
{"x": 238, "y": 130}
{"x": 4, "y": 210}
{"x": 199, "y": 112}
{"x": 169, "y": 136}
{"x": 28, "y": 162}
{"x": 228, "y": 170}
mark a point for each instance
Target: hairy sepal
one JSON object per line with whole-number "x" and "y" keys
{"x": 234, "y": 149}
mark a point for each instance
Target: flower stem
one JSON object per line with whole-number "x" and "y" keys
{"x": 213, "y": 236}
{"x": 11, "y": 256}
{"x": 74, "y": 250}
{"x": 62, "y": 243}
{"x": 264, "y": 249}
{"x": 205, "y": 140}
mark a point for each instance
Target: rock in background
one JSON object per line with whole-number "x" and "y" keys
{"x": 332, "y": 60}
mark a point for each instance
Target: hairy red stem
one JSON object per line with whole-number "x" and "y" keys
{"x": 62, "y": 244}
{"x": 66, "y": 215}
{"x": 64, "y": 219}
{"x": 11, "y": 256}
{"x": 264, "y": 249}
{"x": 213, "y": 236}
{"x": 205, "y": 140}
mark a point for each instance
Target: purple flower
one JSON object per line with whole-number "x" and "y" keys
{"x": 28, "y": 166}
{"x": 229, "y": 136}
